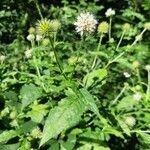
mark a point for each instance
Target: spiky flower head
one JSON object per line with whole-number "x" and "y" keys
{"x": 46, "y": 26}
{"x": 85, "y": 23}
{"x": 36, "y": 133}
{"x": 103, "y": 27}
{"x": 147, "y": 25}
{"x": 110, "y": 12}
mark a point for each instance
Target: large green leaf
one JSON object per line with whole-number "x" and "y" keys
{"x": 65, "y": 115}
{"x": 100, "y": 74}
{"x": 7, "y": 135}
{"x": 29, "y": 93}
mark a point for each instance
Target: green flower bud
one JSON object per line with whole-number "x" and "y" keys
{"x": 130, "y": 121}
{"x": 36, "y": 133}
{"x": 31, "y": 30}
{"x": 126, "y": 27}
{"x": 135, "y": 64}
{"x": 103, "y": 27}
{"x": 147, "y": 25}
{"x": 13, "y": 115}
{"x": 45, "y": 42}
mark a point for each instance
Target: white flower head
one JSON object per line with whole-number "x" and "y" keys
{"x": 137, "y": 96}
{"x": 28, "y": 53}
{"x": 2, "y": 58}
{"x": 147, "y": 67}
{"x": 126, "y": 74}
{"x": 85, "y": 22}
{"x": 110, "y": 12}
{"x": 130, "y": 121}
{"x": 30, "y": 37}
{"x": 38, "y": 38}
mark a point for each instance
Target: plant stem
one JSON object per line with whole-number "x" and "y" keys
{"x": 119, "y": 95}
{"x": 57, "y": 60}
{"x": 148, "y": 86}
{"x": 114, "y": 59}
{"x": 38, "y": 8}
{"x": 136, "y": 40}
{"x": 98, "y": 47}
{"x": 120, "y": 40}
{"x": 110, "y": 23}
{"x": 38, "y": 73}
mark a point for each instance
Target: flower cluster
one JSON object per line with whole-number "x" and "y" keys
{"x": 110, "y": 12}
{"x": 86, "y": 22}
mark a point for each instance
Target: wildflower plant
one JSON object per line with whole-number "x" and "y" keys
{"x": 59, "y": 90}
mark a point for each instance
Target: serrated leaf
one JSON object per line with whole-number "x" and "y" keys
{"x": 144, "y": 137}
{"x": 100, "y": 74}
{"x": 89, "y": 100}
{"x": 65, "y": 115}
{"x": 29, "y": 93}
{"x": 7, "y": 135}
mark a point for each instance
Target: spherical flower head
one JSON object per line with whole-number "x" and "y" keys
{"x": 46, "y": 26}
{"x": 135, "y": 64}
{"x": 137, "y": 96}
{"x": 2, "y": 58}
{"x": 31, "y": 30}
{"x": 103, "y": 27}
{"x": 30, "y": 37}
{"x": 126, "y": 74}
{"x": 130, "y": 121}
{"x": 147, "y": 25}
{"x": 36, "y": 133}
{"x": 126, "y": 27}
{"x": 28, "y": 53}
{"x": 85, "y": 23}
{"x": 110, "y": 12}
{"x": 38, "y": 38}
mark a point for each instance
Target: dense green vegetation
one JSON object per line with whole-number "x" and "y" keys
{"x": 75, "y": 75}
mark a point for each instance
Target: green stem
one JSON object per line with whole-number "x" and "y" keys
{"x": 110, "y": 23}
{"x": 115, "y": 59}
{"x": 119, "y": 95}
{"x": 38, "y": 73}
{"x": 38, "y": 8}
{"x": 57, "y": 60}
{"x": 98, "y": 48}
{"x": 120, "y": 40}
{"x": 148, "y": 86}
{"x": 136, "y": 40}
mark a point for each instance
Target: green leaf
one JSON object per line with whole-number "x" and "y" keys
{"x": 100, "y": 74}
{"x": 29, "y": 93}
{"x": 38, "y": 112}
{"x": 144, "y": 138}
{"x": 127, "y": 103}
{"x": 89, "y": 100}
{"x": 7, "y": 135}
{"x": 9, "y": 147}
{"x": 65, "y": 115}
{"x": 124, "y": 127}
{"x": 111, "y": 130}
